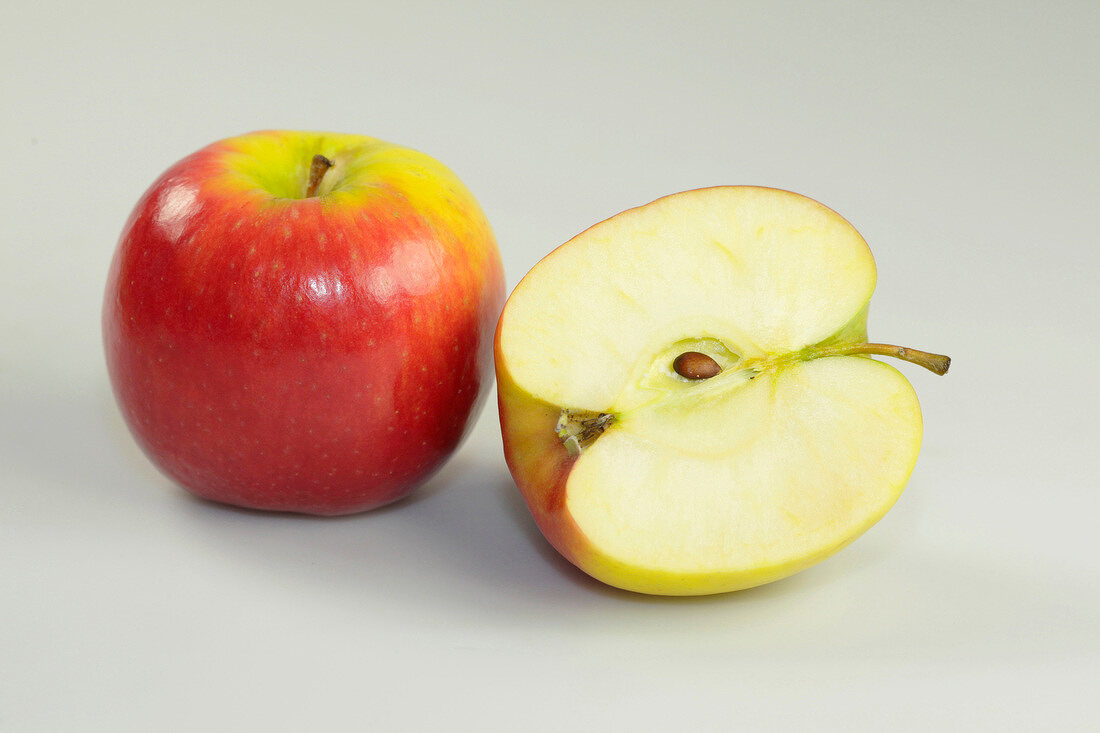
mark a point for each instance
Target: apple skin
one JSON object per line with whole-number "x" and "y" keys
{"x": 318, "y": 355}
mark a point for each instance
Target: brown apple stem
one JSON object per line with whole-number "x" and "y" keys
{"x": 937, "y": 363}
{"x": 317, "y": 170}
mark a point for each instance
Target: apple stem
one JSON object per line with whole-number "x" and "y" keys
{"x": 937, "y": 363}
{"x": 317, "y": 170}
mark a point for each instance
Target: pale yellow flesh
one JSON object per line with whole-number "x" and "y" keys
{"x": 760, "y": 270}
{"x": 751, "y": 475}
{"x": 797, "y": 460}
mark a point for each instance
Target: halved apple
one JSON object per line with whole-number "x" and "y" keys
{"x": 686, "y": 399}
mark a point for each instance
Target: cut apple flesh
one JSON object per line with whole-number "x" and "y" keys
{"x": 787, "y": 469}
{"x": 711, "y": 481}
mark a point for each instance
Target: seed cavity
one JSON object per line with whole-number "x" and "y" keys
{"x": 695, "y": 365}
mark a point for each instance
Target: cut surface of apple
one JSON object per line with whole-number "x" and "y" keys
{"x": 686, "y": 399}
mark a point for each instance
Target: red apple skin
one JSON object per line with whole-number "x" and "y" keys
{"x": 302, "y": 355}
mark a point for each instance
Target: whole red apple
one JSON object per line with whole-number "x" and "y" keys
{"x": 302, "y": 321}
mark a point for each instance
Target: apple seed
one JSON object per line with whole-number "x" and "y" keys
{"x": 695, "y": 365}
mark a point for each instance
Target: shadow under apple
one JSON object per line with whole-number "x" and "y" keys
{"x": 463, "y": 552}
{"x": 462, "y": 546}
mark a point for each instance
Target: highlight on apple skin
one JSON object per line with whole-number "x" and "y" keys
{"x": 302, "y": 321}
{"x": 686, "y": 396}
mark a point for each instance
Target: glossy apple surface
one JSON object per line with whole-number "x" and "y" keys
{"x": 320, "y": 354}
{"x": 686, "y": 398}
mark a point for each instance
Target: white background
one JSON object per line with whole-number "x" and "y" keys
{"x": 960, "y": 138}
